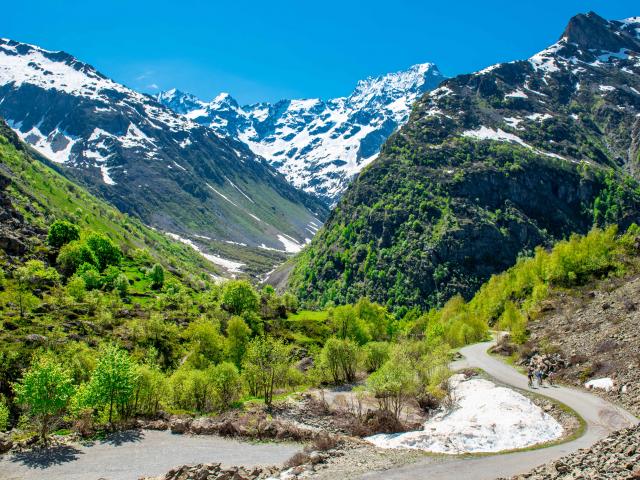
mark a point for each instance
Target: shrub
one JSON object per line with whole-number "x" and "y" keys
{"x": 226, "y": 384}
{"x": 105, "y": 251}
{"x": 62, "y": 232}
{"x": 4, "y": 415}
{"x": 340, "y": 358}
{"x": 76, "y": 288}
{"x": 156, "y": 274}
{"x": 393, "y": 385}
{"x": 375, "y": 354}
{"x": 73, "y": 255}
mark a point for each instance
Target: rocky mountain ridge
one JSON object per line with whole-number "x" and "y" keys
{"x": 172, "y": 173}
{"x": 489, "y": 166}
{"x": 318, "y": 145}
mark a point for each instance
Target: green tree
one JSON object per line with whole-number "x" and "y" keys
{"x": 73, "y": 255}
{"x": 150, "y": 389}
{"x": 106, "y": 252}
{"x": 121, "y": 284}
{"x": 267, "y": 360}
{"x": 239, "y": 297}
{"x": 156, "y": 274}
{"x": 346, "y": 324}
{"x": 191, "y": 389}
{"x": 32, "y": 275}
{"x": 62, "y": 232}
{"x": 45, "y": 391}
{"x": 238, "y": 335}
{"x": 91, "y": 276}
{"x": 113, "y": 380}
{"x": 206, "y": 345}
{"x": 393, "y": 385}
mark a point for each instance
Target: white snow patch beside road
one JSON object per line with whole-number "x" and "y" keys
{"x": 605, "y": 384}
{"x": 487, "y": 418}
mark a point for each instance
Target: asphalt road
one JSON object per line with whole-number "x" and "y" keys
{"x": 133, "y": 454}
{"x": 600, "y": 416}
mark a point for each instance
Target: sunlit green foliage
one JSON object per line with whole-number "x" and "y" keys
{"x": 45, "y": 391}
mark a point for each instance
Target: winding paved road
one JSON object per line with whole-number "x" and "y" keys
{"x": 133, "y": 454}
{"x": 600, "y": 416}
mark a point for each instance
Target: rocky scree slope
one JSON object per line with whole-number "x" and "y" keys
{"x": 615, "y": 457}
{"x": 146, "y": 160}
{"x": 489, "y": 165}
{"x": 596, "y": 330}
{"x": 318, "y": 145}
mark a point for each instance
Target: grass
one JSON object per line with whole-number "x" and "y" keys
{"x": 315, "y": 315}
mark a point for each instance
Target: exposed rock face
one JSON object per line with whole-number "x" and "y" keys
{"x": 615, "y": 457}
{"x": 489, "y": 165}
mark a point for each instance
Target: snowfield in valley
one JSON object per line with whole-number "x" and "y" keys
{"x": 486, "y": 418}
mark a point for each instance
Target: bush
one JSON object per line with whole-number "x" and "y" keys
{"x": 375, "y": 354}
{"x": 340, "y": 358}
{"x": 226, "y": 384}
{"x": 62, "y": 232}
{"x": 4, "y": 415}
{"x": 105, "y": 251}
{"x": 76, "y": 288}
{"x": 393, "y": 385}
{"x": 156, "y": 274}
{"x": 73, "y": 255}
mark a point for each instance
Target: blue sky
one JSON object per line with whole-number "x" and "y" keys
{"x": 267, "y": 50}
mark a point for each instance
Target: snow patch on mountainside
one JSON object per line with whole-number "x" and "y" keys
{"x": 486, "y": 418}
{"x": 229, "y": 265}
{"x": 318, "y": 145}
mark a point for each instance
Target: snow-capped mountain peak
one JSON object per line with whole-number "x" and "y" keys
{"x": 319, "y": 145}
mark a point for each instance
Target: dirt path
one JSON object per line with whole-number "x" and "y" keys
{"x": 600, "y": 416}
{"x": 132, "y": 454}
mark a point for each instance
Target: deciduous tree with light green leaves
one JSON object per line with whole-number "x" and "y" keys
{"x": 267, "y": 361}
{"x": 45, "y": 392}
{"x": 113, "y": 381}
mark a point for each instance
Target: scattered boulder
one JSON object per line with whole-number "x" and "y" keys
{"x": 180, "y": 424}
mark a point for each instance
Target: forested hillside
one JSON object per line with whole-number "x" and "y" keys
{"x": 489, "y": 166}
